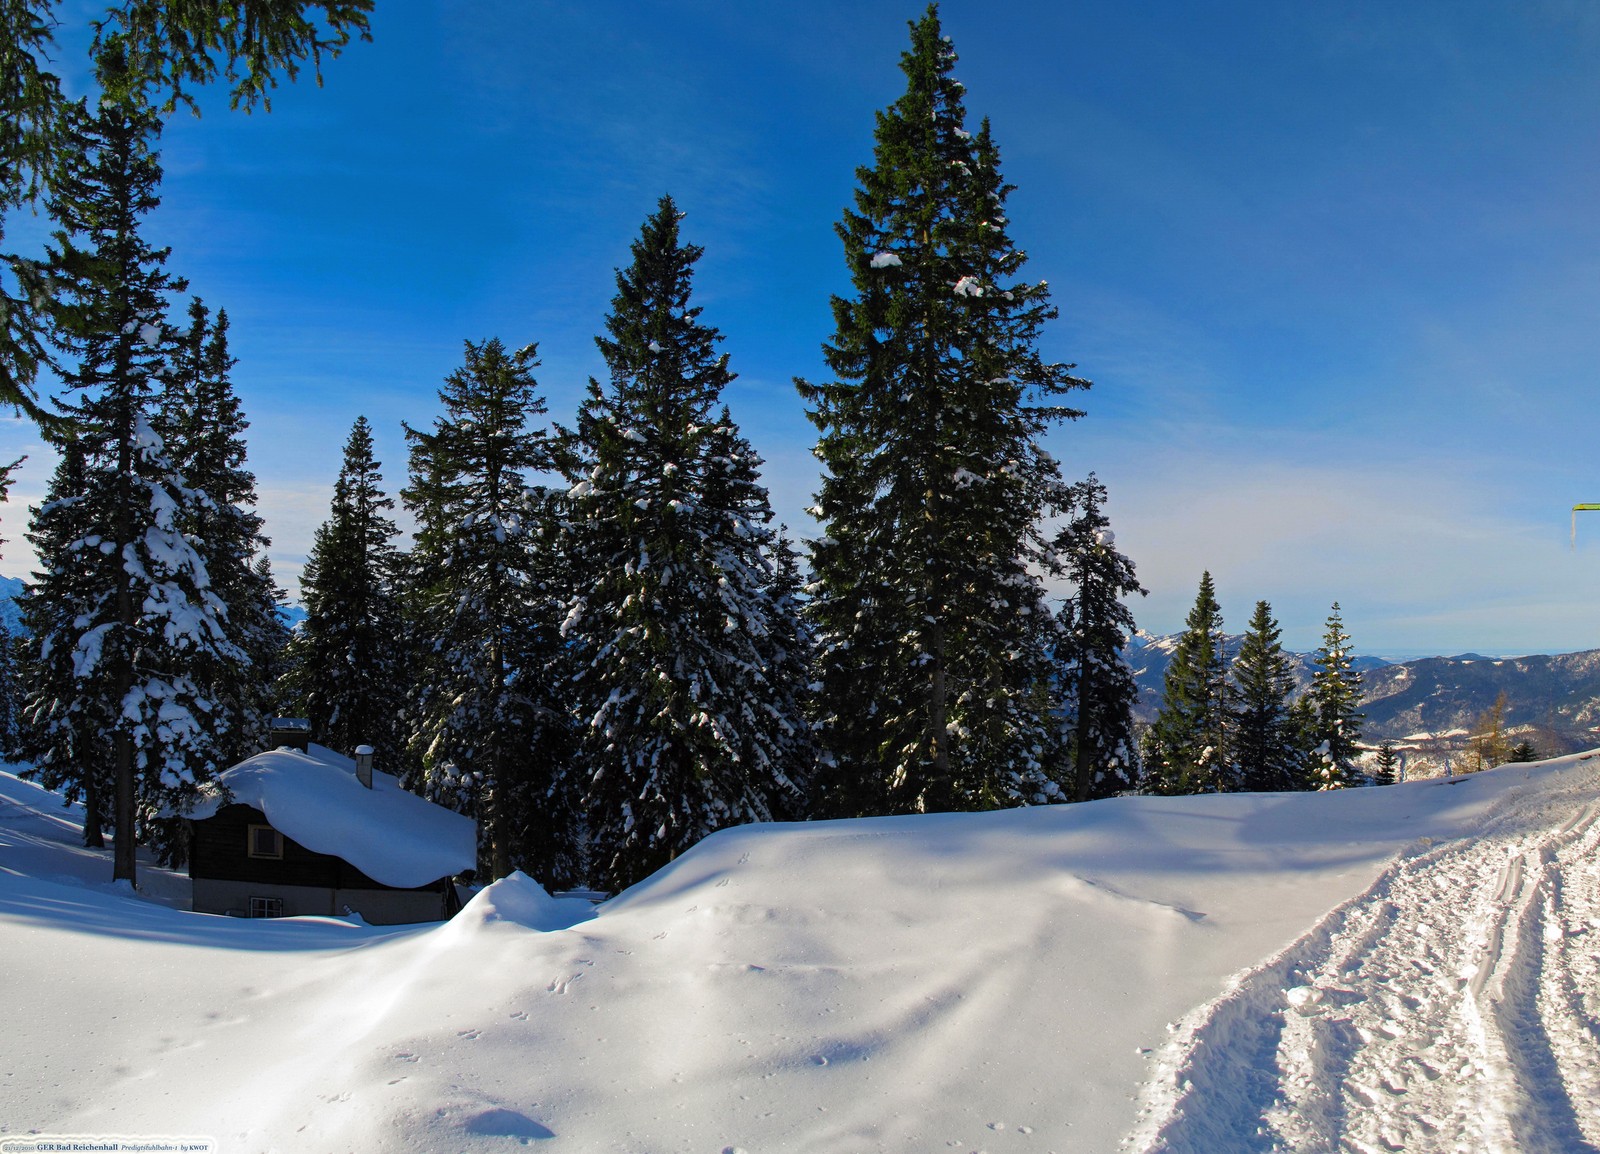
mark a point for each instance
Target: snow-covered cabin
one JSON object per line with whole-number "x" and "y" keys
{"x": 300, "y": 833}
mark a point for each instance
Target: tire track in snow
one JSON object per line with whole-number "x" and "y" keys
{"x": 1451, "y": 1006}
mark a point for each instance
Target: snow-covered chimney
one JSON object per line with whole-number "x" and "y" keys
{"x": 364, "y": 765}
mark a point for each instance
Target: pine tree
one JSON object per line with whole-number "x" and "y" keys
{"x": 1386, "y": 770}
{"x": 1186, "y": 748}
{"x": 345, "y": 669}
{"x": 1334, "y": 701}
{"x": 150, "y": 619}
{"x": 160, "y": 48}
{"x": 10, "y": 695}
{"x": 679, "y": 647}
{"x": 205, "y": 425}
{"x": 1265, "y": 753}
{"x": 488, "y": 616}
{"x": 1094, "y": 626}
{"x": 66, "y": 731}
{"x": 933, "y": 665}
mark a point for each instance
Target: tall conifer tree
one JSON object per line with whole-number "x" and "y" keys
{"x": 688, "y": 715}
{"x": 1265, "y": 754}
{"x": 1334, "y": 701}
{"x": 150, "y": 619}
{"x": 487, "y": 727}
{"x": 1186, "y": 747}
{"x": 345, "y": 668}
{"x": 1095, "y": 625}
{"x": 66, "y": 733}
{"x": 933, "y": 636}
{"x": 204, "y": 423}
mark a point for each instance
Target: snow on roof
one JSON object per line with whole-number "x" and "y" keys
{"x": 392, "y": 836}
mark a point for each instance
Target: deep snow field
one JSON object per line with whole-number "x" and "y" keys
{"x": 1408, "y": 968}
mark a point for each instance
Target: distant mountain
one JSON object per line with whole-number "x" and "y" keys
{"x": 1430, "y": 704}
{"x": 1554, "y": 700}
{"x": 1149, "y": 655}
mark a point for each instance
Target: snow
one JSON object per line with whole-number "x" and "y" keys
{"x": 1411, "y": 967}
{"x": 885, "y": 260}
{"x": 389, "y": 834}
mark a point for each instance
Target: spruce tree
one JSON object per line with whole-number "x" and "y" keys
{"x": 1095, "y": 625}
{"x": 933, "y": 664}
{"x": 487, "y": 726}
{"x": 162, "y": 49}
{"x": 1186, "y": 748}
{"x": 150, "y": 618}
{"x": 1334, "y": 701}
{"x": 1386, "y": 769}
{"x": 1265, "y": 754}
{"x": 345, "y": 668}
{"x": 205, "y": 424}
{"x": 66, "y": 731}
{"x": 681, "y": 651}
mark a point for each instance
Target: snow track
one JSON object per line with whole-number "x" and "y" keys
{"x": 1452, "y": 1006}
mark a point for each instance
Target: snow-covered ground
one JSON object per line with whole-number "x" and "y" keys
{"x": 1416, "y": 968}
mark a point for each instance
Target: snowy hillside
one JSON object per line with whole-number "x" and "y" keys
{"x": 1411, "y": 968}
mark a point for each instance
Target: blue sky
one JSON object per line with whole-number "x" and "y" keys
{"x": 1334, "y": 269}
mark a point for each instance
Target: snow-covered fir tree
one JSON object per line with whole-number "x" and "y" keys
{"x": 679, "y": 647}
{"x": 346, "y": 670}
{"x": 488, "y": 728}
{"x": 149, "y": 618}
{"x": 1334, "y": 702}
{"x": 204, "y": 425}
{"x": 933, "y": 664}
{"x": 1095, "y": 623}
{"x": 1266, "y": 755}
{"x": 1186, "y": 747}
{"x": 66, "y": 732}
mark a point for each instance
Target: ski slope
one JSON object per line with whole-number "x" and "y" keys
{"x": 1413, "y": 967}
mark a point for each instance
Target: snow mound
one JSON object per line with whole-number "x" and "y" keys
{"x": 518, "y": 900}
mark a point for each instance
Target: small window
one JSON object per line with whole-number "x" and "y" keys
{"x": 264, "y": 841}
{"x": 266, "y": 907}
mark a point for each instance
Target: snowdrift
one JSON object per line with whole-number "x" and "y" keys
{"x": 1253, "y": 972}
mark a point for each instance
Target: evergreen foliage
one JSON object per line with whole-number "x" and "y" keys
{"x": 1523, "y": 751}
{"x": 66, "y": 731}
{"x": 1333, "y": 702}
{"x": 204, "y": 424}
{"x": 1385, "y": 770}
{"x": 1186, "y": 747}
{"x": 685, "y": 662}
{"x": 346, "y": 672}
{"x": 1265, "y": 751}
{"x": 933, "y": 667}
{"x": 149, "y": 621}
{"x": 160, "y": 48}
{"x": 487, "y": 728}
{"x": 1094, "y": 626}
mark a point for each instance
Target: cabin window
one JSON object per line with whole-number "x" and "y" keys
{"x": 266, "y": 907}
{"x": 264, "y": 841}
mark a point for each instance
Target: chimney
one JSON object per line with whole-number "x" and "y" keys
{"x": 364, "y": 765}
{"x": 290, "y": 733}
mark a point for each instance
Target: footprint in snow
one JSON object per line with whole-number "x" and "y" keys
{"x": 469, "y": 1035}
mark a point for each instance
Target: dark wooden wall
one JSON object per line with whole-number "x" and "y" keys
{"x": 219, "y": 851}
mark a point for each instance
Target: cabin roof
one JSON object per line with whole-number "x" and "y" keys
{"x": 389, "y": 834}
